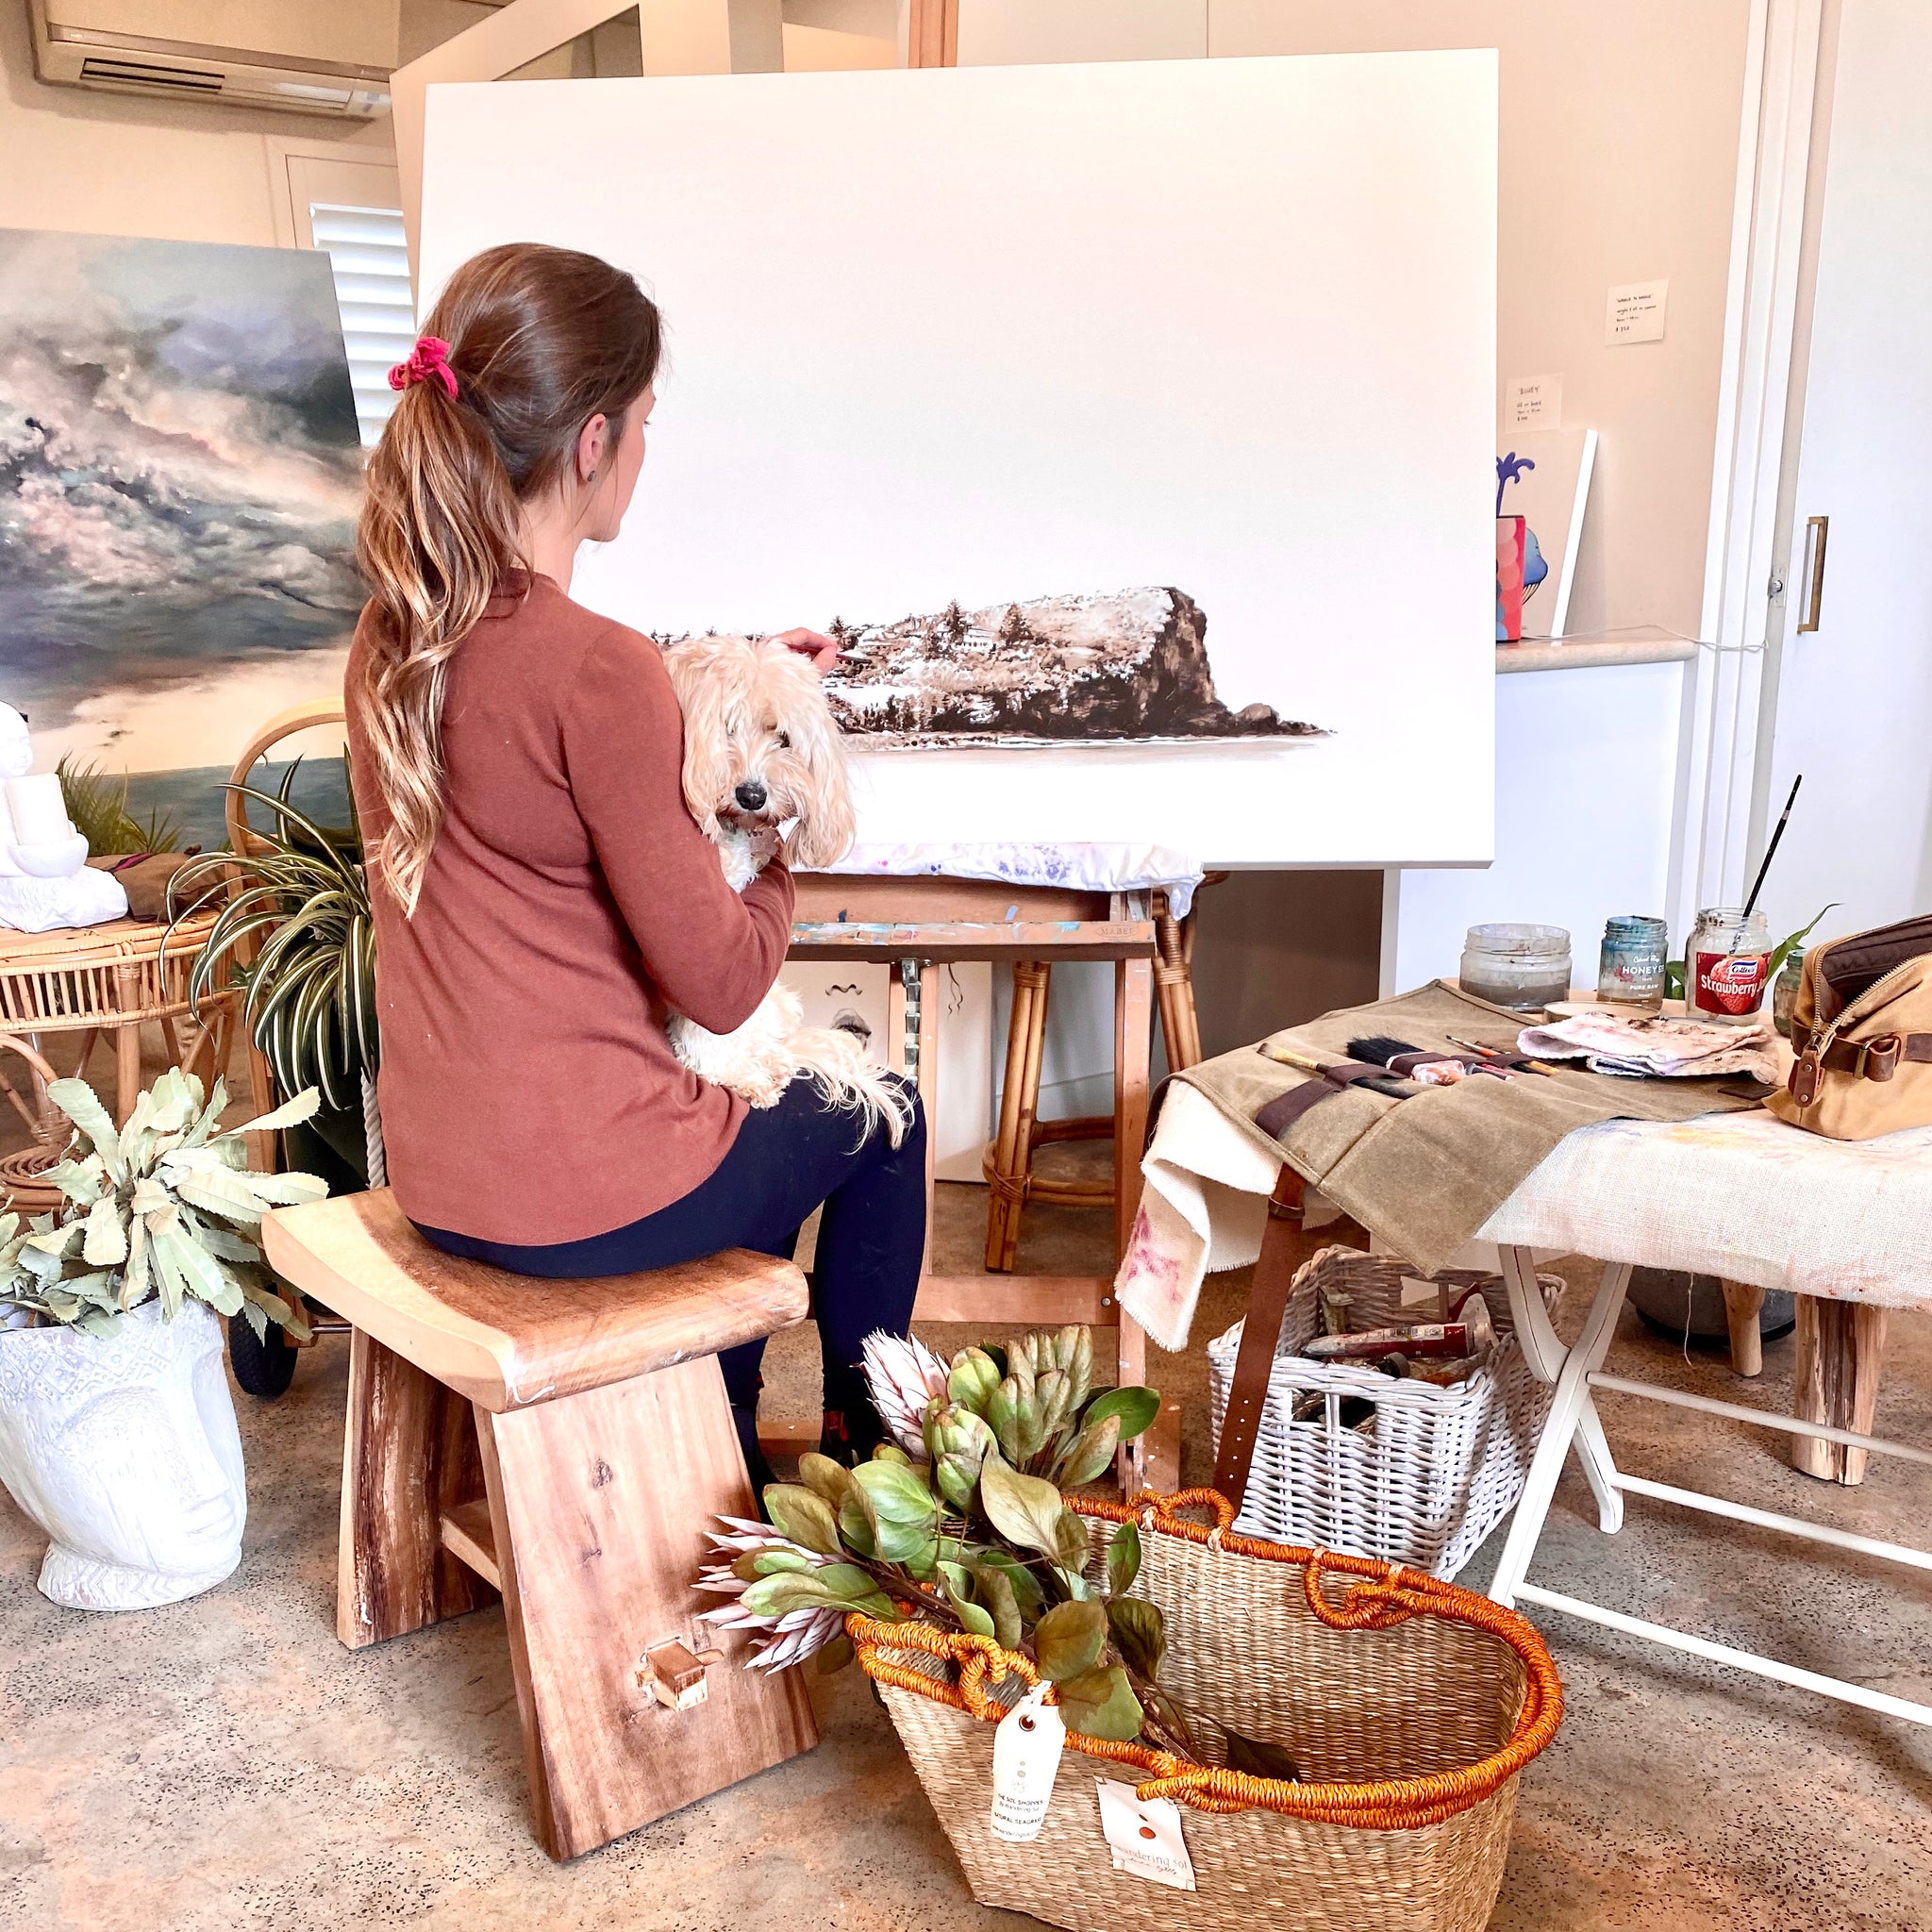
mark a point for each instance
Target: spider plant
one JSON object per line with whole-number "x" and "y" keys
{"x": 293, "y": 929}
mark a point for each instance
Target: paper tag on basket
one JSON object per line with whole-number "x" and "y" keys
{"x": 1025, "y": 1757}
{"x": 1145, "y": 1835}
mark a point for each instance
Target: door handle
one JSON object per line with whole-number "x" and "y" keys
{"x": 1816, "y": 530}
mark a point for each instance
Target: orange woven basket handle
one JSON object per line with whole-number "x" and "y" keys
{"x": 1383, "y": 1596}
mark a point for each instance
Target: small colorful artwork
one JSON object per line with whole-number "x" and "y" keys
{"x": 1542, "y": 485}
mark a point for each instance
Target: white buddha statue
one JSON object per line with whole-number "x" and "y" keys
{"x": 45, "y": 880}
{"x": 125, "y": 1450}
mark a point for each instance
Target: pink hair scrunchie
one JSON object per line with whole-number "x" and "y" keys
{"x": 428, "y": 359}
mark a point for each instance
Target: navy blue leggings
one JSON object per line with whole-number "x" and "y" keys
{"x": 786, "y": 1160}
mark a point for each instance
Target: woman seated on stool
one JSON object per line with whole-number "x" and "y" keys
{"x": 542, "y": 894}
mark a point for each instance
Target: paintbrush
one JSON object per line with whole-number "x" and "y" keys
{"x": 1771, "y": 850}
{"x": 1287, "y": 1056}
{"x": 1499, "y": 1056}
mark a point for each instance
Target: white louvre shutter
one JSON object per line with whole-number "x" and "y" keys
{"x": 371, "y": 264}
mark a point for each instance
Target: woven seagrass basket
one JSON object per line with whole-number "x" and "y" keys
{"x": 1409, "y": 1704}
{"x": 1432, "y": 1472}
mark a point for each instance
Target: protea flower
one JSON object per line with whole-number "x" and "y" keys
{"x": 902, "y": 1375}
{"x": 790, "y": 1636}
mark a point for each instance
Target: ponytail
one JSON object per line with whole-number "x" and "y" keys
{"x": 525, "y": 345}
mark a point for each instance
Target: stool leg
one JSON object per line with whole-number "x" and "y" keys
{"x": 409, "y": 1454}
{"x": 599, "y": 1504}
{"x": 1744, "y": 1306}
{"x": 1019, "y": 1103}
{"x": 1840, "y": 1351}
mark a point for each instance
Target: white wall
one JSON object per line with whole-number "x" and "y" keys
{"x": 1586, "y": 774}
{"x": 110, "y": 164}
{"x": 1618, "y": 162}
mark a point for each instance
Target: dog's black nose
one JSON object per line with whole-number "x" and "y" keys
{"x": 751, "y": 795}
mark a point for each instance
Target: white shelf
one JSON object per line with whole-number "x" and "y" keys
{"x": 1635, "y": 646}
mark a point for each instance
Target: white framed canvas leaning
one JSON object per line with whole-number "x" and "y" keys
{"x": 1133, "y": 435}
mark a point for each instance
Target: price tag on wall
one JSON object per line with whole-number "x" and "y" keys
{"x": 1027, "y": 1750}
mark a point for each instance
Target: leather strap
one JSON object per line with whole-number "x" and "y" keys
{"x": 1240, "y": 1423}
{"x": 1286, "y": 1109}
{"x": 1864, "y": 1059}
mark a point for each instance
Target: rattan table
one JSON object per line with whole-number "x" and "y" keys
{"x": 98, "y": 981}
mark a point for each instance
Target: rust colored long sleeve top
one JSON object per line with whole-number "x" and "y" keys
{"x": 528, "y": 1091}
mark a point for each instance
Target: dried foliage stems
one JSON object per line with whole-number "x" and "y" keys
{"x": 960, "y": 1523}
{"x": 153, "y": 1209}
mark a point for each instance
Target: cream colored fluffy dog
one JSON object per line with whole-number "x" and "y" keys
{"x": 760, "y": 749}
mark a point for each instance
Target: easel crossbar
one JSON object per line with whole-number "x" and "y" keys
{"x": 1763, "y": 1419}
{"x": 1770, "y": 1519}
{"x": 1725, "y": 1654}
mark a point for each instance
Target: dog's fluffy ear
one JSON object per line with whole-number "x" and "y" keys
{"x": 826, "y": 827}
{"x": 707, "y": 772}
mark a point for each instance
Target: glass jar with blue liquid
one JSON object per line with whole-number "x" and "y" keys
{"x": 1630, "y": 968}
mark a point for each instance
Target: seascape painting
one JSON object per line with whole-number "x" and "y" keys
{"x": 1133, "y": 438}
{"x": 179, "y": 477}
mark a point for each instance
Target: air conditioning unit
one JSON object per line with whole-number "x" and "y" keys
{"x": 292, "y": 56}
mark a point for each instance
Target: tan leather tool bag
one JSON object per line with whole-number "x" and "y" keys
{"x": 1862, "y": 1034}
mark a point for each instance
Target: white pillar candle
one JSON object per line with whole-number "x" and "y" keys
{"x": 38, "y": 809}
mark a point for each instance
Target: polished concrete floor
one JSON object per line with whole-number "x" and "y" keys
{"x": 225, "y": 1763}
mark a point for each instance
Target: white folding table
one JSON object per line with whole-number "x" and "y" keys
{"x": 1743, "y": 1196}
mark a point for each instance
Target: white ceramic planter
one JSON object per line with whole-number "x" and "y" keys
{"x": 125, "y": 1451}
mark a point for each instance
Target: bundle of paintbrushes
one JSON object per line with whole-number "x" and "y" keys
{"x": 1427, "y": 1069}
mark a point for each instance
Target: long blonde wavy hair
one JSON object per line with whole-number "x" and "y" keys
{"x": 540, "y": 340}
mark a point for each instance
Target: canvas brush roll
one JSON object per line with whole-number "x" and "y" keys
{"x": 1862, "y": 1033}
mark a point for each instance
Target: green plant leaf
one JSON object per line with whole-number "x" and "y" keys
{"x": 897, "y": 1492}
{"x": 291, "y": 1114}
{"x": 1022, "y": 1509}
{"x": 1069, "y": 1639}
{"x": 993, "y": 1589}
{"x": 1101, "y": 1704}
{"x": 1091, "y": 1453}
{"x": 959, "y": 1584}
{"x": 1141, "y": 1632}
{"x": 105, "y": 1241}
{"x": 82, "y": 1106}
{"x": 834, "y": 1655}
{"x": 858, "y": 1526}
{"x": 1028, "y": 1595}
{"x": 1260, "y": 1758}
{"x": 824, "y": 1478}
{"x": 1792, "y": 942}
{"x": 974, "y": 1376}
{"x": 1136, "y": 1408}
{"x": 1070, "y": 1544}
{"x": 804, "y": 1518}
{"x": 1124, "y": 1559}
{"x": 749, "y": 1565}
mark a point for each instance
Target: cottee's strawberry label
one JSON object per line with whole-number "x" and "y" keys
{"x": 1731, "y": 982}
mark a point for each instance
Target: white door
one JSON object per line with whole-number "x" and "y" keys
{"x": 1855, "y": 695}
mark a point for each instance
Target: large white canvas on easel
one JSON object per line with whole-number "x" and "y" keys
{"x": 996, "y": 337}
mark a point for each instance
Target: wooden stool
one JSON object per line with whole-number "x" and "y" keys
{"x": 1008, "y": 1162}
{"x": 567, "y": 1444}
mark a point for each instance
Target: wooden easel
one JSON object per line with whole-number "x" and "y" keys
{"x": 1010, "y": 1179}
{"x": 918, "y": 924}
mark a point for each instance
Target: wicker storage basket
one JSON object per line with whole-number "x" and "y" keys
{"x": 1409, "y": 1704}
{"x": 1431, "y": 1472}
